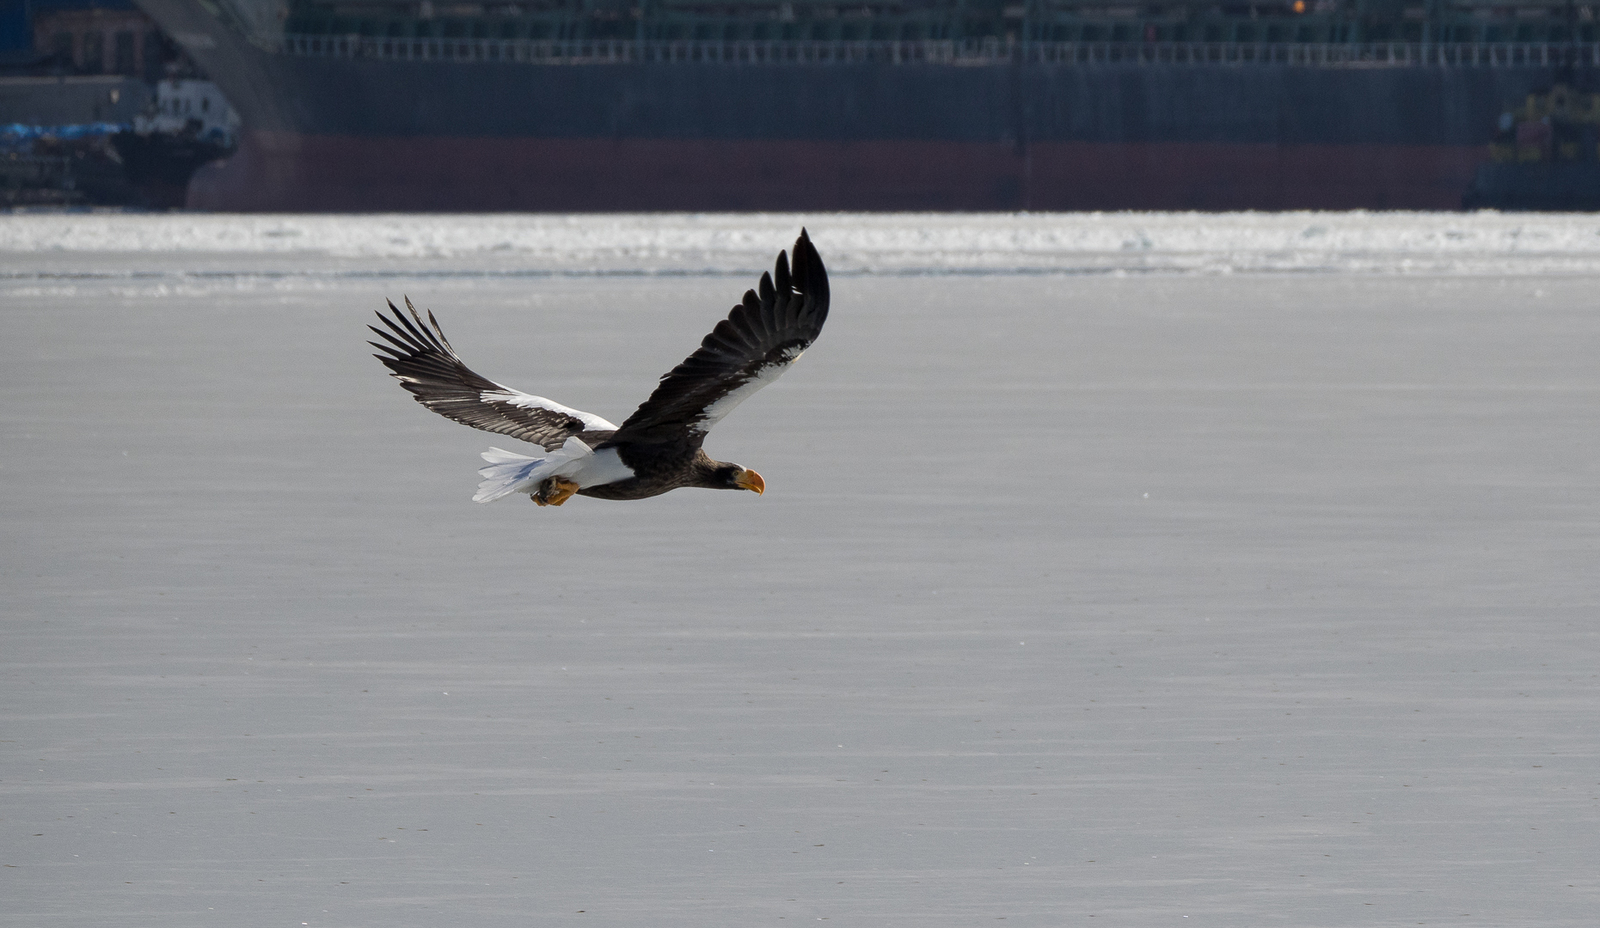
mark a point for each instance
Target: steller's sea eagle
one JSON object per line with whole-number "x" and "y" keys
{"x": 658, "y": 448}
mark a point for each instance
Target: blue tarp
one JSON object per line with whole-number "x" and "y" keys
{"x": 20, "y": 138}
{"x": 17, "y": 131}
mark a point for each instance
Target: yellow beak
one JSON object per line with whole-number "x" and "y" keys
{"x": 750, "y": 480}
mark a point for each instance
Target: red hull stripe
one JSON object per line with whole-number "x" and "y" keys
{"x": 294, "y": 172}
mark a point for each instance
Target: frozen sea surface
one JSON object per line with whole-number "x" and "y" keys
{"x": 108, "y": 245}
{"x": 1127, "y": 570}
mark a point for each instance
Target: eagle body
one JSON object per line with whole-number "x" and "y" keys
{"x": 655, "y": 469}
{"x": 658, "y": 447}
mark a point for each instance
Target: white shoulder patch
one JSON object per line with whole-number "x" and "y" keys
{"x": 512, "y": 397}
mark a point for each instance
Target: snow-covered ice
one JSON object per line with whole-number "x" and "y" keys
{"x": 1486, "y": 242}
{"x": 1113, "y": 570}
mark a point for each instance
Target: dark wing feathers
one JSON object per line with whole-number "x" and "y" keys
{"x": 426, "y": 365}
{"x": 759, "y": 340}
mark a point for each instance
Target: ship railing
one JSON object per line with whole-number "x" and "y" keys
{"x": 619, "y": 51}
{"x": 1375, "y": 54}
{"x": 971, "y": 52}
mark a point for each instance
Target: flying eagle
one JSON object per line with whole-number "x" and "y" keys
{"x": 658, "y": 448}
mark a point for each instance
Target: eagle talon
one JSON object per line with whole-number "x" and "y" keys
{"x": 555, "y": 491}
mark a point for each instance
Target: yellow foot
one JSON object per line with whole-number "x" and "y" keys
{"x": 555, "y": 491}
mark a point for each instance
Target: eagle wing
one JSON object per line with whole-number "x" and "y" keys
{"x": 426, "y": 365}
{"x": 761, "y": 338}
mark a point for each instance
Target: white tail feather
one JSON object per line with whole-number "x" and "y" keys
{"x": 509, "y": 473}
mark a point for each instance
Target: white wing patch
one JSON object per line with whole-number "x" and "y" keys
{"x": 764, "y": 375}
{"x": 512, "y": 397}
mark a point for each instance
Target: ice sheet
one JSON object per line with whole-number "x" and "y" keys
{"x": 1074, "y": 599}
{"x": 1483, "y": 242}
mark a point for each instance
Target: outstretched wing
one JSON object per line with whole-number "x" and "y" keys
{"x": 759, "y": 340}
{"x": 426, "y": 365}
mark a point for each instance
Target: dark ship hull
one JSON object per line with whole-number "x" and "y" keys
{"x": 298, "y": 172}
{"x": 159, "y": 166}
{"x": 1547, "y": 187}
{"x": 365, "y": 125}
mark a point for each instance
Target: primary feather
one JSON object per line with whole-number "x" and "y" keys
{"x": 761, "y": 339}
